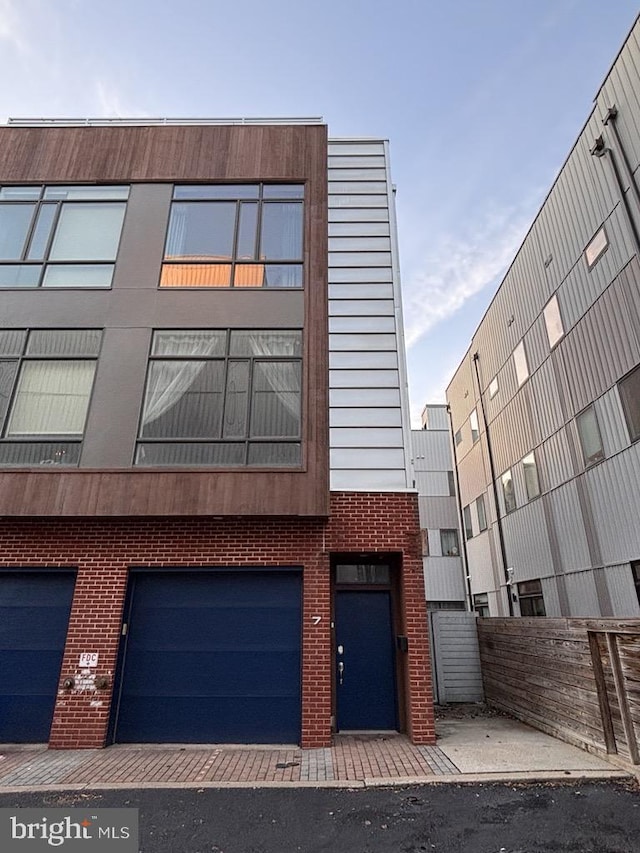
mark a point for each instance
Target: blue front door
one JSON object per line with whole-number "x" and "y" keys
{"x": 365, "y": 680}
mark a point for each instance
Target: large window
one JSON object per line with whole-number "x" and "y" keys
{"x": 531, "y": 598}
{"x": 46, "y": 377}
{"x": 629, "y": 389}
{"x": 60, "y": 236}
{"x": 589, "y": 434}
{"x": 241, "y": 235}
{"x": 222, "y": 398}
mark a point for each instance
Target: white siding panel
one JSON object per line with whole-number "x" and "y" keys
{"x": 368, "y": 479}
{"x": 359, "y": 244}
{"x": 360, "y": 290}
{"x": 340, "y": 188}
{"x": 363, "y": 360}
{"x": 348, "y": 148}
{"x": 482, "y": 577}
{"x": 377, "y": 417}
{"x": 358, "y": 379}
{"x": 337, "y": 172}
{"x": 367, "y": 458}
{"x": 337, "y": 201}
{"x": 358, "y": 229}
{"x": 611, "y": 421}
{"x": 358, "y": 214}
{"x": 347, "y": 275}
{"x": 362, "y": 324}
{"x": 362, "y": 343}
{"x": 359, "y": 259}
{"x": 353, "y": 397}
{"x": 554, "y": 461}
{"x": 358, "y": 308}
{"x": 551, "y": 597}
{"x": 360, "y": 161}
{"x": 355, "y": 437}
{"x": 614, "y": 491}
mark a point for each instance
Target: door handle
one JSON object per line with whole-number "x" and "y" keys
{"x": 340, "y": 672}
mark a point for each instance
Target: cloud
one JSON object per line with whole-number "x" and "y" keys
{"x": 11, "y": 28}
{"x": 457, "y": 268}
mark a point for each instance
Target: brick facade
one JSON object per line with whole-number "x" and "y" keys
{"x": 102, "y": 550}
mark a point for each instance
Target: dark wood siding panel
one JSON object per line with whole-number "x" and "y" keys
{"x": 188, "y": 493}
{"x": 154, "y": 153}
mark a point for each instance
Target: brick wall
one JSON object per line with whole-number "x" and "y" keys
{"x": 102, "y": 550}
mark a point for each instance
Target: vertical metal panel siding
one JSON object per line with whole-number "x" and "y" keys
{"x": 435, "y": 543}
{"x": 622, "y": 88}
{"x": 457, "y": 657}
{"x": 438, "y": 513}
{"x": 432, "y": 483}
{"x": 479, "y": 554}
{"x": 545, "y": 402}
{"x": 614, "y": 491}
{"x": 622, "y": 591}
{"x": 432, "y": 450}
{"x": 554, "y": 460}
{"x": 443, "y": 579}
{"x": 473, "y": 475}
{"x": 527, "y": 542}
{"x": 613, "y": 428}
{"x": 551, "y": 597}
{"x": 582, "y": 594}
{"x": 437, "y": 418}
{"x": 572, "y": 537}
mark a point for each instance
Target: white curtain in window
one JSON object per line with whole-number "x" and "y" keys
{"x": 169, "y": 380}
{"x": 282, "y": 377}
{"x": 52, "y": 398}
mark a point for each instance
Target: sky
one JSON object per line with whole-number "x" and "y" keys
{"x": 481, "y": 101}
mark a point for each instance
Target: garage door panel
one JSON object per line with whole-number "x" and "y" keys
{"x": 242, "y": 719}
{"x": 220, "y": 675}
{"x": 214, "y": 627}
{"x": 212, "y": 656}
{"x": 34, "y": 617}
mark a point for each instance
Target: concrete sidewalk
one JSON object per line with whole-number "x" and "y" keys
{"x": 468, "y": 750}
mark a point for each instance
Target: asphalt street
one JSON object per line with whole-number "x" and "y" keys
{"x": 600, "y": 817}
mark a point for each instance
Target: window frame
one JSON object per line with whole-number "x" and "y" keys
{"x": 63, "y": 441}
{"x": 599, "y": 250}
{"x": 481, "y": 604}
{"x": 632, "y": 430}
{"x": 46, "y": 262}
{"x": 553, "y": 322}
{"x": 531, "y": 593}
{"x": 534, "y": 464}
{"x": 597, "y": 457}
{"x": 247, "y": 439}
{"x": 509, "y": 476}
{"x": 482, "y": 517}
{"x": 262, "y": 199}
{"x": 475, "y": 430}
{"x": 521, "y": 363}
{"x": 494, "y": 387}
{"x": 456, "y": 547}
{"x": 467, "y": 522}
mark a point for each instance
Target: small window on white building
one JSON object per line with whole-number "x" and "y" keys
{"x": 508, "y": 492}
{"x": 596, "y": 248}
{"x": 458, "y": 437}
{"x": 452, "y": 485}
{"x": 531, "y": 481}
{"x": 482, "y": 513}
{"x": 553, "y": 321}
{"x": 481, "y": 604}
{"x": 473, "y": 421}
{"x": 449, "y": 543}
{"x": 589, "y": 434}
{"x": 521, "y": 364}
{"x": 466, "y": 515}
{"x": 493, "y": 387}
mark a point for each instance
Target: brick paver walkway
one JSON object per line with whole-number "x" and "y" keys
{"x": 351, "y": 758}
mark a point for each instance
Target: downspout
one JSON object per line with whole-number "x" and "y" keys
{"x": 599, "y": 149}
{"x": 492, "y": 470}
{"x": 463, "y": 538}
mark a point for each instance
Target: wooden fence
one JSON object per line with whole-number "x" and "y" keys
{"x": 577, "y": 679}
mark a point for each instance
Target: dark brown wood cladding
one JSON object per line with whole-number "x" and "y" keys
{"x": 160, "y": 153}
{"x": 189, "y": 153}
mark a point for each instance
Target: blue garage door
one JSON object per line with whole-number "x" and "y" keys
{"x": 211, "y": 657}
{"x": 34, "y": 616}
